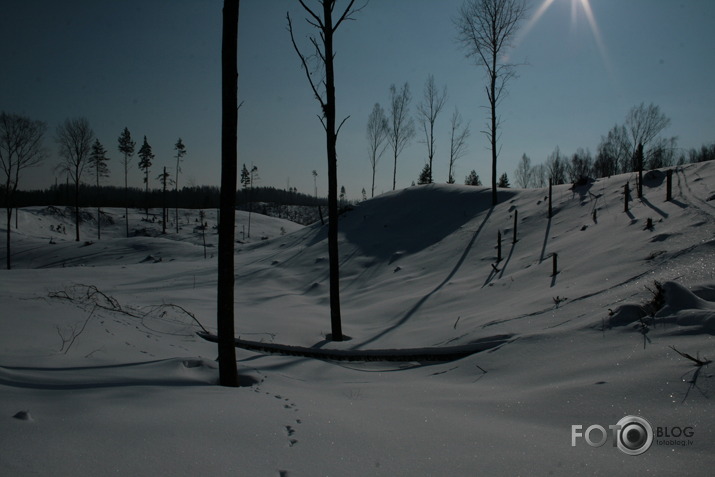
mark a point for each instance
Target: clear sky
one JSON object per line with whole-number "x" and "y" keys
{"x": 154, "y": 67}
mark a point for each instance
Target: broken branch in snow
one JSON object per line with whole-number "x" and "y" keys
{"x": 73, "y": 333}
{"x": 90, "y": 295}
{"x": 697, "y": 361}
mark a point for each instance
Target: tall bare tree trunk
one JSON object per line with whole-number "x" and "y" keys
{"x": 493, "y": 133}
{"x": 228, "y": 372}
{"x": 331, "y": 141}
{"x": 327, "y": 29}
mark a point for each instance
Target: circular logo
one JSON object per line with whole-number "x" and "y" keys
{"x": 634, "y": 436}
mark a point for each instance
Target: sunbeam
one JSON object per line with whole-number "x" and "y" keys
{"x": 586, "y": 7}
{"x": 576, "y": 6}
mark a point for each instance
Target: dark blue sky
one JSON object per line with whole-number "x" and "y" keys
{"x": 154, "y": 66}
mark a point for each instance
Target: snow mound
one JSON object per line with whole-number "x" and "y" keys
{"x": 165, "y": 372}
{"x": 687, "y": 309}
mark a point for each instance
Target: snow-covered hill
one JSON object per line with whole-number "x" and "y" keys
{"x": 98, "y": 344}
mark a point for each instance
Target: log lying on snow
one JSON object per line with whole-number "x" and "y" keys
{"x": 445, "y": 353}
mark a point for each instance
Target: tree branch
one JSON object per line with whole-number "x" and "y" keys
{"x": 303, "y": 60}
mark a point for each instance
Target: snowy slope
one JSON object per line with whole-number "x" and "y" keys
{"x": 98, "y": 344}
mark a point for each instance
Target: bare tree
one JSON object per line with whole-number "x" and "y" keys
{"x": 74, "y": 137}
{"x": 523, "y": 172}
{"x": 643, "y": 124}
{"x": 662, "y": 153}
{"x": 486, "y": 29}
{"x": 428, "y": 110}
{"x": 228, "y": 371}
{"x": 613, "y": 153}
{"x": 581, "y": 166}
{"x": 539, "y": 176}
{"x": 180, "y": 152}
{"x": 457, "y": 142}
{"x": 377, "y": 130}
{"x": 556, "y": 167}
{"x": 322, "y": 20}
{"x": 20, "y": 148}
{"x": 98, "y": 162}
{"x": 402, "y": 126}
{"x": 126, "y": 147}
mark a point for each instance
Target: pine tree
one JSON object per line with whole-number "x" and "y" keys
{"x": 472, "y": 179}
{"x": 144, "y": 164}
{"x": 180, "y": 152}
{"x": 245, "y": 177}
{"x": 126, "y": 147}
{"x": 98, "y": 161}
{"x": 425, "y": 175}
{"x": 503, "y": 181}
{"x": 163, "y": 178}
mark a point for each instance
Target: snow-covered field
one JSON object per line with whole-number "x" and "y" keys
{"x": 101, "y": 371}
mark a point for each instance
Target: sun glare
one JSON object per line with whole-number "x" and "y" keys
{"x": 577, "y": 7}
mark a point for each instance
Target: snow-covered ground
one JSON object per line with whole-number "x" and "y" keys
{"x": 101, "y": 371}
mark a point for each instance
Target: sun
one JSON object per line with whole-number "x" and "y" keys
{"x": 578, "y": 8}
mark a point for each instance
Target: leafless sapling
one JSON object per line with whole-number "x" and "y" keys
{"x": 321, "y": 19}
{"x": 486, "y": 29}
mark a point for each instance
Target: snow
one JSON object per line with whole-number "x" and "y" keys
{"x": 101, "y": 370}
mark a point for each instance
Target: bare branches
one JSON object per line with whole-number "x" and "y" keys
{"x": 304, "y": 63}
{"x": 644, "y": 123}
{"x": 73, "y": 334}
{"x": 74, "y": 138}
{"x": 20, "y": 146}
{"x": 86, "y": 296}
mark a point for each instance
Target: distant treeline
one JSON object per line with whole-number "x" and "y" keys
{"x": 201, "y": 197}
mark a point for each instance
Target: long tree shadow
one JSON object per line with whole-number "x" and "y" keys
{"x": 508, "y": 258}
{"x": 424, "y": 299}
{"x": 546, "y": 239}
{"x": 657, "y": 209}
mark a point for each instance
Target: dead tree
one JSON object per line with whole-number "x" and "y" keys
{"x": 323, "y": 52}
{"x": 228, "y": 372}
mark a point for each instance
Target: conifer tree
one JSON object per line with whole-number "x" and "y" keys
{"x": 145, "y": 164}
{"x": 164, "y": 180}
{"x": 472, "y": 179}
{"x": 425, "y": 175}
{"x": 503, "y": 181}
{"x": 126, "y": 147}
{"x": 180, "y": 153}
{"x": 98, "y": 162}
